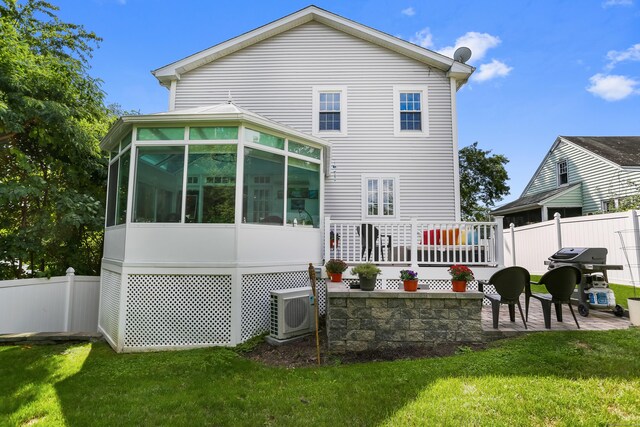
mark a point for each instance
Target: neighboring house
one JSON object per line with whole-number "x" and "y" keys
{"x": 283, "y": 146}
{"x": 579, "y": 175}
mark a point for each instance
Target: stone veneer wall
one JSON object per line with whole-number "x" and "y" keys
{"x": 386, "y": 319}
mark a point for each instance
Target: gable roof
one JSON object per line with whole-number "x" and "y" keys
{"x": 621, "y": 150}
{"x": 534, "y": 200}
{"x": 461, "y": 72}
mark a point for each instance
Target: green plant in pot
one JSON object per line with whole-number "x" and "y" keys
{"x": 367, "y": 273}
{"x": 335, "y": 268}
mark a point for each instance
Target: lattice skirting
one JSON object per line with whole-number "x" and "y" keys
{"x": 110, "y": 304}
{"x": 177, "y": 310}
{"x": 256, "y": 292}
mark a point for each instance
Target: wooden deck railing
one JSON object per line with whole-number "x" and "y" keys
{"x": 414, "y": 243}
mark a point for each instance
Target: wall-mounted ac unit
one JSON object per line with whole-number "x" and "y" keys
{"x": 292, "y": 313}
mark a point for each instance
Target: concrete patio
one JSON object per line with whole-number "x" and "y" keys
{"x": 596, "y": 321}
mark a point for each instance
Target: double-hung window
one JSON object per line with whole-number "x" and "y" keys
{"x": 410, "y": 111}
{"x": 380, "y": 197}
{"x": 329, "y": 111}
{"x": 563, "y": 175}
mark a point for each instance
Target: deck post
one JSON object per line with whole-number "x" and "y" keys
{"x": 327, "y": 229}
{"x": 414, "y": 243}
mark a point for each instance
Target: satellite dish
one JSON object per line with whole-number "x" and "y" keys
{"x": 462, "y": 54}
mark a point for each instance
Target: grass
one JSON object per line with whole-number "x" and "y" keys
{"x": 622, "y": 292}
{"x": 551, "y": 378}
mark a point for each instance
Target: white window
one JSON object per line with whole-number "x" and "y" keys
{"x": 380, "y": 197}
{"x": 329, "y": 111}
{"x": 563, "y": 175}
{"x": 608, "y": 205}
{"x": 410, "y": 111}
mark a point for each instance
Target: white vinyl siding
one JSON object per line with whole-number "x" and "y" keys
{"x": 276, "y": 77}
{"x": 601, "y": 180}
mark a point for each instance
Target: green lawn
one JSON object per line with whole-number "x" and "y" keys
{"x": 622, "y": 292}
{"x": 551, "y": 378}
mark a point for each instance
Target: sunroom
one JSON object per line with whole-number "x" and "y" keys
{"x": 208, "y": 209}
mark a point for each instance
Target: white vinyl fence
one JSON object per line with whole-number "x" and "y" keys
{"x": 59, "y": 304}
{"x": 530, "y": 245}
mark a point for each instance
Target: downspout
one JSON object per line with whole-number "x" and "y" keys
{"x": 454, "y": 137}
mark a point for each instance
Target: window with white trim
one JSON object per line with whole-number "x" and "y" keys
{"x": 609, "y": 205}
{"x": 410, "y": 111}
{"x": 563, "y": 175}
{"x": 380, "y": 197}
{"x": 329, "y": 111}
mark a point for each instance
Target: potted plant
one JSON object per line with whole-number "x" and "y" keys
{"x": 460, "y": 275}
{"x": 367, "y": 273}
{"x": 334, "y": 239}
{"x": 335, "y": 268}
{"x": 409, "y": 279}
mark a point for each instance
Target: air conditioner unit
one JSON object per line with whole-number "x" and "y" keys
{"x": 292, "y": 313}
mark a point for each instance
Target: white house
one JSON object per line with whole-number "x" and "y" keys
{"x": 578, "y": 176}
{"x": 309, "y": 138}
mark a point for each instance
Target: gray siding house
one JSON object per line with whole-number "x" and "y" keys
{"x": 309, "y": 138}
{"x": 579, "y": 175}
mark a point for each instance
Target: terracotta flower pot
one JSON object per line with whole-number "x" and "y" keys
{"x": 336, "y": 277}
{"x": 411, "y": 285}
{"x": 459, "y": 285}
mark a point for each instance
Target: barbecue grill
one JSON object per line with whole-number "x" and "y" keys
{"x": 592, "y": 262}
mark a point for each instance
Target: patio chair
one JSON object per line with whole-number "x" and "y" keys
{"x": 560, "y": 283}
{"x": 372, "y": 241}
{"x": 509, "y": 283}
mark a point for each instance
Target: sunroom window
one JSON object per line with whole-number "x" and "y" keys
{"x": 117, "y": 189}
{"x": 158, "y": 186}
{"x": 263, "y": 192}
{"x": 211, "y": 184}
{"x": 303, "y": 187}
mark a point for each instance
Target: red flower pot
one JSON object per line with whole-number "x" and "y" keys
{"x": 336, "y": 277}
{"x": 459, "y": 285}
{"x": 411, "y": 285}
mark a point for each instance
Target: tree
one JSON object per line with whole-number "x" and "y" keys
{"x": 52, "y": 173}
{"x": 483, "y": 181}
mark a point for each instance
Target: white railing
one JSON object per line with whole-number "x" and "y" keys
{"x": 414, "y": 243}
{"x": 58, "y": 304}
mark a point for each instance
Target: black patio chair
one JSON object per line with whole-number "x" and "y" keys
{"x": 560, "y": 283}
{"x": 509, "y": 283}
{"x": 371, "y": 241}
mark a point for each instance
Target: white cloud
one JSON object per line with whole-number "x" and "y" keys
{"x": 609, "y": 3}
{"x": 408, "y": 11}
{"x": 423, "y": 38}
{"x": 631, "y": 54}
{"x": 612, "y": 88}
{"x": 491, "y": 70}
{"x": 122, "y": 2}
{"x": 479, "y": 43}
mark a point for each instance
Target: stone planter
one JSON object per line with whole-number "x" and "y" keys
{"x": 367, "y": 284}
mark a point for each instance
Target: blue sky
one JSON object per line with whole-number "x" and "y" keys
{"x": 545, "y": 68}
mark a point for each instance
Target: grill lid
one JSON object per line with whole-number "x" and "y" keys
{"x": 583, "y": 255}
